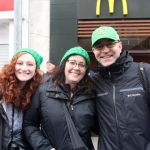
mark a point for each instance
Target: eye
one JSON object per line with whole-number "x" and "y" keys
{"x": 72, "y": 62}
{"x": 30, "y": 64}
{"x": 99, "y": 47}
{"x": 19, "y": 63}
{"x": 110, "y": 44}
{"x": 82, "y": 65}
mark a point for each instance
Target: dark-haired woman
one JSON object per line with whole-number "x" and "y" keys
{"x": 69, "y": 83}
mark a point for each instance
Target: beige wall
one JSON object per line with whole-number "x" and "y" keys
{"x": 39, "y": 28}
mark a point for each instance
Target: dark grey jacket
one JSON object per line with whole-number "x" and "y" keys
{"x": 123, "y": 112}
{"x": 47, "y": 75}
{"x": 4, "y": 129}
{"x": 46, "y": 109}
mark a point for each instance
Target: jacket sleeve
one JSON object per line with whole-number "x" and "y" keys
{"x": 31, "y": 124}
{"x": 147, "y": 73}
{"x": 95, "y": 128}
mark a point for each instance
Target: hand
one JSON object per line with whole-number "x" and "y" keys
{"x": 53, "y": 149}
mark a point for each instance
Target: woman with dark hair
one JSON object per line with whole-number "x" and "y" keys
{"x": 18, "y": 81}
{"x": 71, "y": 86}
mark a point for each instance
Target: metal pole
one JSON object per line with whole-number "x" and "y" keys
{"x": 17, "y": 24}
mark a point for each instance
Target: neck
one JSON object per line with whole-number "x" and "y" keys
{"x": 72, "y": 86}
{"x": 22, "y": 84}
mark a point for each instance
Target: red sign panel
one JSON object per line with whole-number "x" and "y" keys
{"x": 6, "y": 5}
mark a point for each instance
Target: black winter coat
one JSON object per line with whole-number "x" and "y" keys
{"x": 123, "y": 112}
{"x": 5, "y": 131}
{"x": 46, "y": 109}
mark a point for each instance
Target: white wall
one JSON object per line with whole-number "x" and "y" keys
{"x": 4, "y": 33}
{"x": 7, "y": 28}
{"x": 39, "y": 27}
{"x": 35, "y": 28}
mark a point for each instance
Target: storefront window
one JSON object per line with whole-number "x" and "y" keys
{"x": 136, "y": 44}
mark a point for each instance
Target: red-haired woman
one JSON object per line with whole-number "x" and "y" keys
{"x": 18, "y": 81}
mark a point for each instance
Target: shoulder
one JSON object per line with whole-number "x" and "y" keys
{"x": 95, "y": 77}
{"x": 146, "y": 68}
{"x": 146, "y": 65}
{"x": 46, "y": 85}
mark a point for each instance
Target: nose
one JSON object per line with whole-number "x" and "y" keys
{"x": 105, "y": 49}
{"x": 76, "y": 66}
{"x": 24, "y": 67}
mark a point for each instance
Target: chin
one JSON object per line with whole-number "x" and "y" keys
{"x": 107, "y": 64}
{"x": 74, "y": 82}
{"x": 23, "y": 80}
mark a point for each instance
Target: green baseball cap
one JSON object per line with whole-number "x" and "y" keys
{"x": 38, "y": 58}
{"x": 77, "y": 51}
{"x": 104, "y": 32}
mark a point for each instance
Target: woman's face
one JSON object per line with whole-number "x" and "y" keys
{"x": 25, "y": 67}
{"x": 75, "y": 69}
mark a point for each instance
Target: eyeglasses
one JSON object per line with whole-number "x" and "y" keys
{"x": 73, "y": 64}
{"x": 108, "y": 45}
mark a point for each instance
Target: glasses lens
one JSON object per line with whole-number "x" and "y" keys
{"x": 99, "y": 47}
{"x": 74, "y": 64}
{"x": 82, "y": 66}
{"x": 110, "y": 44}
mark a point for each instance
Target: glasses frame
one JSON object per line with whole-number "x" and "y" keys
{"x": 112, "y": 45}
{"x": 77, "y": 64}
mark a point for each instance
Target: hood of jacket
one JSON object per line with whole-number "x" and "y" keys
{"x": 117, "y": 68}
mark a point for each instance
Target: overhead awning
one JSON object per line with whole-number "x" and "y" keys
{"x": 134, "y": 34}
{"x": 123, "y": 27}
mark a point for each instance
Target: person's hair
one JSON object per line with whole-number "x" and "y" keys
{"x": 58, "y": 76}
{"x": 10, "y": 89}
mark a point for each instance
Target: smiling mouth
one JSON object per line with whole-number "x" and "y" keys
{"x": 74, "y": 73}
{"x": 24, "y": 73}
{"x": 105, "y": 57}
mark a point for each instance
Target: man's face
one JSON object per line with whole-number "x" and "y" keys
{"x": 107, "y": 51}
{"x": 50, "y": 67}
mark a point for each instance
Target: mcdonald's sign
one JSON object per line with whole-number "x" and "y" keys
{"x": 111, "y": 7}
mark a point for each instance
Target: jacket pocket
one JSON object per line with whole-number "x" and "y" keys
{"x": 136, "y": 109}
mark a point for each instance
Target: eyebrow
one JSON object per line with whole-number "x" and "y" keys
{"x": 98, "y": 42}
{"x": 26, "y": 62}
{"x": 77, "y": 62}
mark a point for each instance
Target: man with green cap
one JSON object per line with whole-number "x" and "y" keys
{"x": 123, "y": 111}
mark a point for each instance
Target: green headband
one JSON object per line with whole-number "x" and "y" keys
{"x": 38, "y": 58}
{"x": 77, "y": 51}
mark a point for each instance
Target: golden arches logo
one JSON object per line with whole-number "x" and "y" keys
{"x": 111, "y": 7}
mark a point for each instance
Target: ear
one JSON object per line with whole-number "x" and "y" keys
{"x": 92, "y": 49}
{"x": 120, "y": 46}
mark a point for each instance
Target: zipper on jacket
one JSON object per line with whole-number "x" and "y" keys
{"x": 71, "y": 101}
{"x": 114, "y": 101}
{"x": 116, "y": 118}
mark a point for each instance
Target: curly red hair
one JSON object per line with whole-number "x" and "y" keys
{"x": 10, "y": 90}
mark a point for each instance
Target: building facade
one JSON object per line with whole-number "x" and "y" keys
{"x": 72, "y": 23}
{"x": 35, "y": 18}
{"x": 7, "y": 29}
{"x": 51, "y": 27}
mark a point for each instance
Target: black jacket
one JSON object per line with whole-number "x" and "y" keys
{"x": 5, "y": 131}
{"x": 123, "y": 112}
{"x": 46, "y": 109}
{"x": 47, "y": 75}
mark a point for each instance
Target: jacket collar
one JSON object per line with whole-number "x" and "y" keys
{"x": 118, "y": 68}
{"x": 64, "y": 92}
